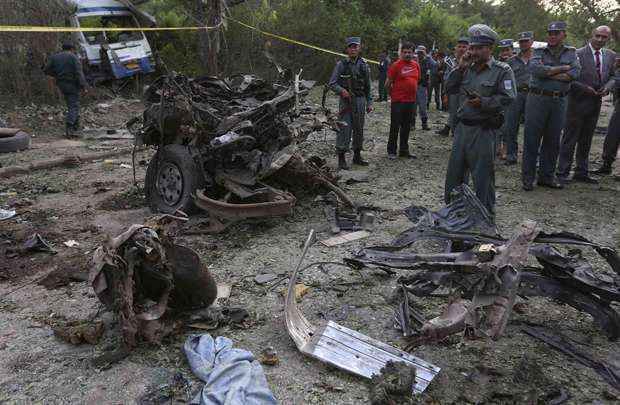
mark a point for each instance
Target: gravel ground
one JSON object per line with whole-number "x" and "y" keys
{"x": 86, "y": 203}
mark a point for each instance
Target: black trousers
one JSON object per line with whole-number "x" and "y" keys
{"x": 436, "y": 88}
{"x": 401, "y": 115}
{"x": 612, "y": 140}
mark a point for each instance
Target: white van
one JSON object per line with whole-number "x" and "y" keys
{"x": 112, "y": 54}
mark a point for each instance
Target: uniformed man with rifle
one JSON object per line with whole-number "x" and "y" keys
{"x": 488, "y": 87}
{"x": 351, "y": 81}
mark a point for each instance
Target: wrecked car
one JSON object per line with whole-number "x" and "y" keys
{"x": 224, "y": 144}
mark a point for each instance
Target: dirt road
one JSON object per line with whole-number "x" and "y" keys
{"x": 85, "y": 203}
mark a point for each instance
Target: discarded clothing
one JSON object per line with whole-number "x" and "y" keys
{"x": 231, "y": 376}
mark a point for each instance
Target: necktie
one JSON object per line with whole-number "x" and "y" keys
{"x": 597, "y": 57}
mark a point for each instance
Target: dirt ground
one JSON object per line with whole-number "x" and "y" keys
{"x": 87, "y": 203}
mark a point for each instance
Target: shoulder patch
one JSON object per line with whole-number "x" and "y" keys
{"x": 502, "y": 65}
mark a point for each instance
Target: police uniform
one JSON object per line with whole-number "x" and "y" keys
{"x": 473, "y": 149}
{"x": 516, "y": 111}
{"x": 66, "y": 68}
{"x": 501, "y": 135}
{"x": 353, "y": 76}
{"x": 454, "y": 101}
{"x": 421, "y": 105}
{"x": 545, "y": 112}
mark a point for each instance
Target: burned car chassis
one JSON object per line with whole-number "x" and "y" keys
{"x": 218, "y": 140}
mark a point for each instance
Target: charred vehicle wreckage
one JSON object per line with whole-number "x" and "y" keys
{"x": 220, "y": 141}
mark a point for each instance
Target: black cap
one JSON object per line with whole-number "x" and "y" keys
{"x": 68, "y": 46}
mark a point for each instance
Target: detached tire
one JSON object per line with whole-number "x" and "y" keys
{"x": 172, "y": 177}
{"x": 15, "y": 143}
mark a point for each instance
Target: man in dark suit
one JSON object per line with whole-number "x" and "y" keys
{"x": 584, "y": 105}
{"x": 612, "y": 140}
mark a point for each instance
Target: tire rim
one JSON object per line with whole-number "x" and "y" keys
{"x": 170, "y": 183}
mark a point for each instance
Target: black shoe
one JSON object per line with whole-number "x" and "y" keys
{"x": 445, "y": 131}
{"x": 551, "y": 184}
{"x": 342, "y": 162}
{"x": 528, "y": 186}
{"x": 407, "y": 155}
{"x": 585, "y": 179}
{"x": 564, "y": 180}
{"x": 604, "y": 170}
{"x": 425, "y": 127}
{"x": 510, "y": 161}
{"x": 357, "y": 159}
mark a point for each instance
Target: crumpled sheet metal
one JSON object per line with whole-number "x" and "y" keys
{"x": 279, "y": 203}
{"x": 345, "y": 348}
{"x": 143, "y": 279}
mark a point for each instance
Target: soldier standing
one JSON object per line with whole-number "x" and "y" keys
{"x": 351, "y": 81}
{"x": 426, "y": 67}
{"x": 520, "y": 66}
{"x": 453, "y": 99}
{"x": 505, "y": 53}
{"x": 384, "y": 65}
{"x": 65, "y": 71}
{"x": 488, "y": 86}
{"x": 553, "y": 68}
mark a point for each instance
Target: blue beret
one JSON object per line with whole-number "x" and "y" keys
{"x": 557, "y": 26}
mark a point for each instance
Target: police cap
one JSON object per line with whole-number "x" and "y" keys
{"x": 354, "y": 40}
{"x": 480, "y": 34}
{"x": 557, "y": 26}
{"x": 505, "y": 43}
{"x": 526, "y": 36}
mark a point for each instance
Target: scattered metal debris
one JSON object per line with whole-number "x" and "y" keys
{"x": 6, "y": 214}
{"x": 219, "y": 140}
{"x": 346, "y": 238}
{"x": 34, "y": 243}
{"x": 145, "y": 278}
{"x": 485, "y": 260}
{"x": 345, "y": 348}
{"x": 609, "y": 372}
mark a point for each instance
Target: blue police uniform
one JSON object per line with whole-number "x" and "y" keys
{"x": 473, "y": 150}
{"x": 545, "y": 112}
{"x": 516, "y": 111}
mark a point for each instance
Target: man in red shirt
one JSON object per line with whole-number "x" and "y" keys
{"x": 402, "y": 82}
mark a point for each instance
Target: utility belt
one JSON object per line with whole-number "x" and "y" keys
{"x": 524, "y": 88}
{"x": 494, "y": 122}
{"x": 547, "y": 93}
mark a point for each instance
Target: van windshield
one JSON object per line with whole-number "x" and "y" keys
{"x": 110, "y": 37}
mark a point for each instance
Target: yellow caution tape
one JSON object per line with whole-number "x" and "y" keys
{"x": 19, "y": 28}
{"x": 292, "y": 41}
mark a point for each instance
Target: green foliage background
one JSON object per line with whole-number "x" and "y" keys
{"x": 381, "y": 24}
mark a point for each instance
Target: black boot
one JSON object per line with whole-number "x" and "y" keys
{"x": 425, "y": 126}
{"x": 342, "y": 161}
{"x": 445, "y": 131}
{"x": 357, "y": 159}
{"x": 603, "y": 170}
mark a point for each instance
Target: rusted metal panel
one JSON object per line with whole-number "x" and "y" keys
{"x": 280, "y": 204}
{"x": 345, "y": 348}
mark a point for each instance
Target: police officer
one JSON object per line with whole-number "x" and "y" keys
{"x": 351, "y": 81}
{"x": 384, "y": 65}
{"x": 520, "y": 66}
{"x": 453, "y": 99}
{"x": 65, "y": 69}
{"x": 426, "y": 67}
{"x": 552, "y": 69}
{"x": 505, "y": 53}
{"x": 488, "y": 87}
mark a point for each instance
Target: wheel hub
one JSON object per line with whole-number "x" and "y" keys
{"x": 170, "y": 183}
